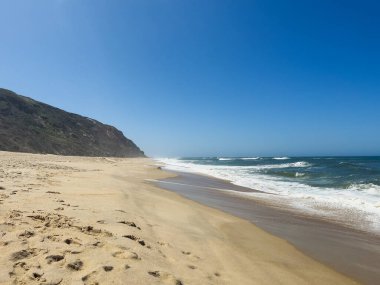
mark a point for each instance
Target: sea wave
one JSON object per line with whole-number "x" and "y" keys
{"x": 299, "y": 164}
{"x": 238, "y": 158}
{"x": 281, "y": 158}
{"x": 285, "y": 174}
{"x": 202, "y": 167}
{"x": 364, "y": 197}
{"x": 369, "y": 188}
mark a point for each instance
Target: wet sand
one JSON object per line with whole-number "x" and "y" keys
{"x": 353, "y": 253}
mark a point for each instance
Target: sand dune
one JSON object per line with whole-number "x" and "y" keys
{"x": 76, "y": 220}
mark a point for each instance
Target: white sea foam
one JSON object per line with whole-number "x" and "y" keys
{"x": 250, "y": 158}
{"x": 363, "y": 198}
{"x": 299, "y": 164}
{"x": 238, "y": 158}
{"x": 368, "y": 188}
{"x": 281, "y": 158}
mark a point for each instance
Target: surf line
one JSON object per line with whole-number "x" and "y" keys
{"x": 183, "y": 184}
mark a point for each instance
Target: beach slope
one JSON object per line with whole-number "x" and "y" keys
{"x": 79, "y": 220}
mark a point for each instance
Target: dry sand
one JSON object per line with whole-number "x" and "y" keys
{"x": 71, "y": 220}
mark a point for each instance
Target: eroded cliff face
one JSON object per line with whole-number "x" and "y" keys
{"x": 27, "y": 125}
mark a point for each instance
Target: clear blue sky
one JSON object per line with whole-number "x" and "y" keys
{"x": 198, "y": 78}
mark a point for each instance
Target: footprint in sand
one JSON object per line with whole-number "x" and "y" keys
{"x": 192, "y": 256}
{"x": 76, "y": 265}
{"x": 37, "y": 275}
{"x": 54, "y": 258}
{"x": 19, "y": 268}
{"x": 165, "y": 277}
{"x": 91, "y": 278}
{"x": 72, "y": 241}
{"x": 98, "y": 244}
{"x": 132, "y": 237}
{"x": 162, "y": 243}
{"x": 131, "y": 224}
{"x": 126, "y": 255}
{"x": 92, "y": 231}
{"x": 24, "y": 274}
{"x": 25, "y": 253}
{"x": 107, "y": 268}
{"x": 26, "y": 234}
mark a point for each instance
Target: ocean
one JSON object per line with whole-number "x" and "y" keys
{"x": 343, "y": 189}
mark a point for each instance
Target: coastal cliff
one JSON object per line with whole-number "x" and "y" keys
{"x": 30, "y": 126}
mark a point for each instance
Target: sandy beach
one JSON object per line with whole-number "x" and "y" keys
{"x": 79, "y": 220}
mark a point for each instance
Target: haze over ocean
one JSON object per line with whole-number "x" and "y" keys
{"x": 205, "y": 78}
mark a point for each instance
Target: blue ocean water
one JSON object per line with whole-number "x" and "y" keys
{"x": 345, "y": 183}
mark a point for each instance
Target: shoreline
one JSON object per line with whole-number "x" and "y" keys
{"x": 87, "y": 220}
{"x": 352, "y": 252}
{"x": 357, "y": 208}
{"x": 239, "y": 191}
